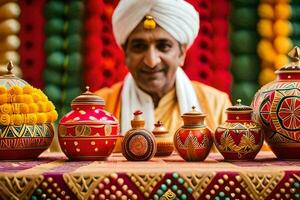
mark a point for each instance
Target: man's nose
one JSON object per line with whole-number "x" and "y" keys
{"x": 152, "y": 58}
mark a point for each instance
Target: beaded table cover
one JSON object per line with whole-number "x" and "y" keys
{"x": 52, "y": 176}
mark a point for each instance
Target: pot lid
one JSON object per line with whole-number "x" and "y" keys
{"x": 137, "y": 121}
{"x": 239, "y": 107}
{"x": 159, "y": 127}
{"x": 88, "y": 98}
{"x": 9, "y": 79}
{"x": 193, "y": 113}
{"x": 294, "y": 66}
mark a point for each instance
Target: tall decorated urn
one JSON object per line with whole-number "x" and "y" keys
{"x": 26, "y": 117}
{"x": 193, "y": 140}
{"x": 88, "y": 132}
{"x": 239, "y": 138}
{"x": 276, "y": 107}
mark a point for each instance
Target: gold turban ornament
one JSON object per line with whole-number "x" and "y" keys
{"x": 149, "y": 22}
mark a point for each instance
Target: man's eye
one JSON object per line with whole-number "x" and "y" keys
{"x": 164, "y": 47}
{"x": 138, "y": 47}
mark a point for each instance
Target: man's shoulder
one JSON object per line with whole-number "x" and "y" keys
{"x": 208, "y": 90}
{"x": 106, "y": 91}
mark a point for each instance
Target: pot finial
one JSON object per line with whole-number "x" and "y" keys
{"x": 295, "y": 54}
{"x": 10, "y": 67}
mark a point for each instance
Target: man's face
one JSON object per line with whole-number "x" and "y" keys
{"x": 152, "y": 57}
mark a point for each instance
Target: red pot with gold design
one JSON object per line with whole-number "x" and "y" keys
{"x": 239, "y": 138}
{"x": 88, "y": 132}
{"x": 276, "y": 107}
{"x": 193, "y": 140}
{"x": 26, "y": 117}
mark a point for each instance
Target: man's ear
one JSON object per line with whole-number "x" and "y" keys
{"x": 183, "y": 49}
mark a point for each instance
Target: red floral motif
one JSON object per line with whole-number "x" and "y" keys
{"x": 290, "y": 113}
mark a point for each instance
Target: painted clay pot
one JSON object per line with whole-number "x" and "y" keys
{"x": 193, "y": 140}
{"x": 164, "y": 140}
{"x": 138, "y": 143}
{"x": 239, "y": 138}
{"x": 88, "y": 132}
{"x": 25, "y": 141}
{"x": 276, "y": 107}
{"x": 26, "y": 117}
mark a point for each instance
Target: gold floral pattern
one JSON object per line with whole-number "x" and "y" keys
{"x": 44, "y": 130}
{"x": 247, "y": 142}
{"x": 18, "y": 186}
{"x": 192, "y": 142}
{"x": 82, "y": 130}
{"x": 107, "y": 130}
{"x": 198, "y": 182}
{"x": 82, "y": 185}
{"x": 260, "y": 184}
{"x": 146, "y": 182}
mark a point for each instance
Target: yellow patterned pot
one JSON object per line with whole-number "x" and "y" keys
{"x": 26, "y": 117}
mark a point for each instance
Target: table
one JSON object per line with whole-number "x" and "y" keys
{"x": 52, "y": 176}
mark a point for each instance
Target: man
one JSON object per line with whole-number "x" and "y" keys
{"x": 155, "y": 35}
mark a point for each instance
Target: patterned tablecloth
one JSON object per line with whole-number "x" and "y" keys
{"x": 52, "y": 176}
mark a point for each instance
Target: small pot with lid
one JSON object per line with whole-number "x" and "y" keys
{"x": 88, "y": 132}
{"x": 193, "y": 140}
{"x": 239, "y": 138}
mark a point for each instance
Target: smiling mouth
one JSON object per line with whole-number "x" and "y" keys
{"x": 151, "y": 71}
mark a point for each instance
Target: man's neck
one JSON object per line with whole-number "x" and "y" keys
{"x": 163, "y": 98}
{"x": 156, "y": 99}
{"x": 156, "y": 96}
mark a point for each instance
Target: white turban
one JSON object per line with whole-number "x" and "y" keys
{"x": 177, "y": 17}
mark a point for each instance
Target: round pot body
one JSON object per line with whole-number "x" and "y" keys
{"x": 276, "y": 107}
{"x": 24, "y": 141}
{"x": 81, "y": 142}
{"x": 239, "y": 139}
{"x": 165, "y": 145}
{"x": 138, "y": 145}
{"x": 88, "y": 132}
{"x": 193, "y": 143}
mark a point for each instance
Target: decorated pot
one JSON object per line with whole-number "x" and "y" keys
{"x": 26, "y": 117}
{"x": 88, "y": 132}
{"x": 193, "y": 140}
{"x": 164, "y": 140}
{"x": 276, "y": 107}
{"x": 138, "y": 143}
{"x": 239, "y": 138}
